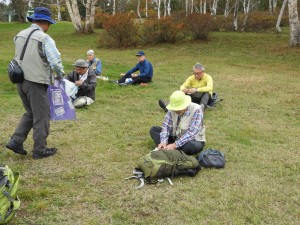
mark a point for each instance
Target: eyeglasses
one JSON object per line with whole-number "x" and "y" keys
{"x": 197, "y": 73}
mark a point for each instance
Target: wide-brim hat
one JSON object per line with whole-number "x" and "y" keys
{"x": 179, "y": 101}
{"x": 81, "y": 63}
{"x": 41, "y": 13}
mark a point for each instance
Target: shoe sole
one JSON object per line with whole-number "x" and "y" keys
{"x": 24, "y": 153}
{"x": 162, "y": 105}
{"x": 36, "y": 156}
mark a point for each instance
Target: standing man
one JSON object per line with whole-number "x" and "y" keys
{"x": 94, "y": 63}
{"x": 40, "y": 59}
{"x": 182, "y": 127}
{"x": 145, "y": 75}
{"x": 199, "y": 85}
{"x": 85, "y": 79}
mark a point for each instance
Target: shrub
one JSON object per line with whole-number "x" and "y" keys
{"x": 222, "y": 23}
{"x": 120, "y": 31}
{"x": 100, "y": 18}
{"x": 260, "y": 21}
{"x": 164, "y": 30}
{"x": 199, "y": 25}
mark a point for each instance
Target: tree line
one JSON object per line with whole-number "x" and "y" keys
{"x": 82, "y": 12}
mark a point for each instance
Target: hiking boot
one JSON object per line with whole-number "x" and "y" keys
{"x": 48, "y": 152}
{"x": 162, "y": 105}
{"x": 15, "y": 147}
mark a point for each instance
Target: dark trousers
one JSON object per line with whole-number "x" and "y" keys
{"x": 201, "y": 98}
{"x": 135, "y": 80}
{"x": 190, "y": 148}
{"x": 37, "y": 116}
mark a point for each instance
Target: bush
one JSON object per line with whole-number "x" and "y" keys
{"x": 260, "y": 21}
{"x": 120, "y": 31}
{"x": 199, "y": 25}
{"x": 222, "y": 23}
{"x": 100, "y": 18}
{"x": 164, "y": 30}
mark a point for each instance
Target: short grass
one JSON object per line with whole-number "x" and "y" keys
{"x": 257, "y": 126}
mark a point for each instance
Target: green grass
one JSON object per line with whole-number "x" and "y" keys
{"x": 257, "y": 126}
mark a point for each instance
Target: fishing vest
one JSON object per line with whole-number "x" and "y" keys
{"x": 183, "y": 126}
{"x": 35, "y": 65}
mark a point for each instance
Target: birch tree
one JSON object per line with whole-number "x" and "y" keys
{"x": 280, "y": 16}
{"x": 88, "y": 24}
{"x": 235, "y": 15}
{"x": 294, "y": 23}
{"x": 158, "y": 9}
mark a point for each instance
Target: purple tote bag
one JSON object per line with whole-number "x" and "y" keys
{"x": 61, "y": 106}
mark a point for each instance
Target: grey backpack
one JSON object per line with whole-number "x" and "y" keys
{"x": 211, "y": 158}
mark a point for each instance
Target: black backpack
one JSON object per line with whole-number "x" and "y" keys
{"x": 211, "y": 158}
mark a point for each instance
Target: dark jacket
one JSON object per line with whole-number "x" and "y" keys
{"x": 88, "y": 86}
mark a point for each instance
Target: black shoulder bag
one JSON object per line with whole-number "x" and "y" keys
{"x": 15, "y": 71}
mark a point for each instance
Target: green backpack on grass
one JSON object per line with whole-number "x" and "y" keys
{"x": 167, "y": 163}
{"x": 9, "y": 202}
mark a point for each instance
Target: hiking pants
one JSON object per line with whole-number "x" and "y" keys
{"x": 37, "y": 116}
{"x": 190, "y": 148}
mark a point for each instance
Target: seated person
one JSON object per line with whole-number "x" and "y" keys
{"x": 85, "y": 79}
{"x": 94, "y": 63}
{"x": 199, "y": 86}
{"x": 145, "y": 75}
{"x": 182, "y": 127}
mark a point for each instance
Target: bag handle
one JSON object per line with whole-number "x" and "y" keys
{"x": 26, "y": 43}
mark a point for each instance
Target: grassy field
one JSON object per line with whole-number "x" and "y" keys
{"x": 257, "y": 126}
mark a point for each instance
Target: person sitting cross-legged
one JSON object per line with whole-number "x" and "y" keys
{"x": 145, "y": 75}
{"x": 85, "y": 78}
{"x": 182, "y": 128}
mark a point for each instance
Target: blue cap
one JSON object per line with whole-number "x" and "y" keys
{"x": 41, "y": 13}
{"x": 140, "y": 53}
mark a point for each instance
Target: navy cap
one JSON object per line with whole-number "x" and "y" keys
{"x": 140, "y": 53}
{"x": 41, "y": 13}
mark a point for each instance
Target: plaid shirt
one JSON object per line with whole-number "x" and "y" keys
{"x": 52, "y": 54}
{"x": 195, "y": 126}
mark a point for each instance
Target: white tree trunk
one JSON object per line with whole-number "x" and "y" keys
{"x": 158, "y": 9}
{"x": 192, "y": 6}
{"x": 169, "y": 7}
{"x": 235, "y": 15}
{"x": 294, "y": 23}
{"x": 270, "y": 6}
{"x": 186, "y": 7}
{"x": 204, "y": 7}
{"x": 138, "y": 11}
{"x": 247, "y": 14}
{"x": 114, "y": 7}
{"x": 201, "y": 8}
{"x": 214, "y": 8}
{"x": 146, "y": 8}
{"x": 74, "y": 14}
{"x": 165, "y": 8}
{"x": 58, "y": 11}
{"x": 280, "y": 16}
{"x": 227, "y": 9}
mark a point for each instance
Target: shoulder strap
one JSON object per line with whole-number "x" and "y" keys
{"x": 26, "y": 43}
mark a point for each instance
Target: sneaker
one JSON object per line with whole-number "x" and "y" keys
{"x": 162, "y": 105}
{"x": 15, "y": 147}
{"x": 114, "y": 81}
{"x": 99, "y": 77}
{"x": 48, "y": 152}
{"x": 105, "y": 78}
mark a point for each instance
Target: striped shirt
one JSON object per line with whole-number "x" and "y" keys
{"x": 196, "y": 124}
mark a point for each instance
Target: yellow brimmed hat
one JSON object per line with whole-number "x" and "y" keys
{"x": 179, "y": 101}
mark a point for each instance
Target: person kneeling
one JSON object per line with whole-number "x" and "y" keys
{"x": 85, "y": 79}
{"x": 182, "y": 127}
